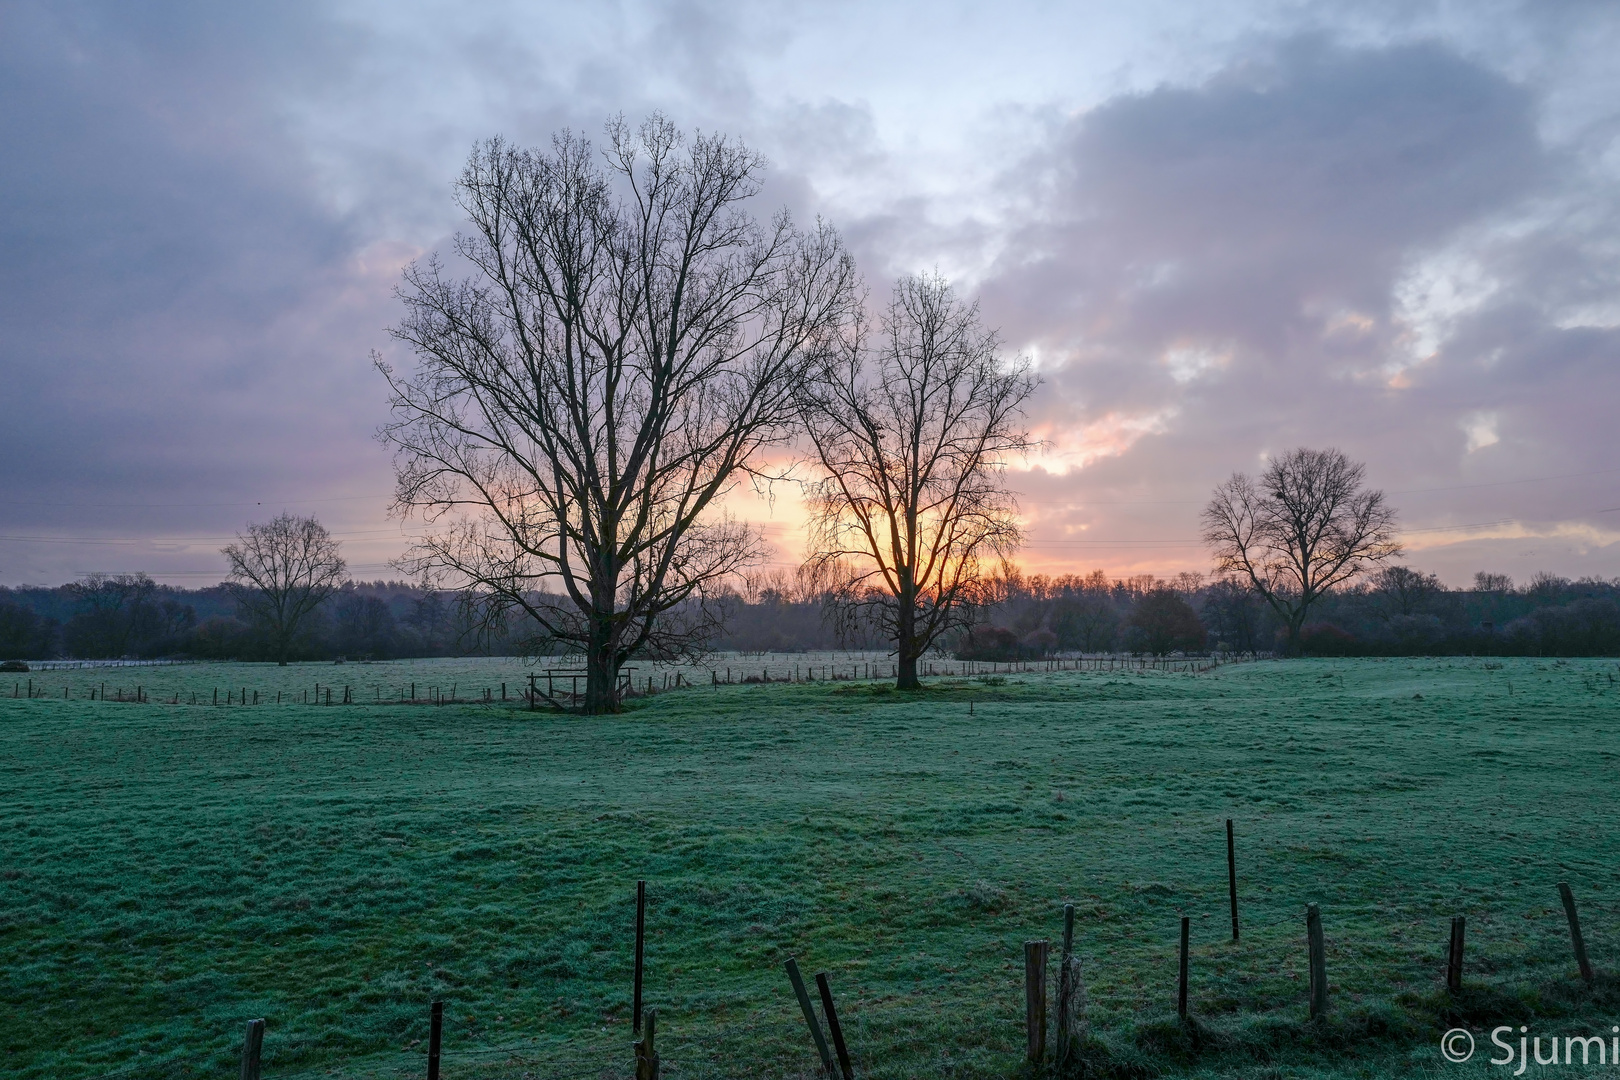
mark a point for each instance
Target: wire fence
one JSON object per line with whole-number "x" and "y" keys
{"x": 546, "y": 689}
{"x": 877, "y": 1026}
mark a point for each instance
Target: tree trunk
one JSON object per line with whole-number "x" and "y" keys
{"x": 601, "y": 667}
{"x": 1295, "y": 625}
{"x": 905, "y": 645}
{"x": 907, "y": 668}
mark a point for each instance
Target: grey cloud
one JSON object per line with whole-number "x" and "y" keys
{"x": 1270, "y": 218}
{"x": 204, "y": 210}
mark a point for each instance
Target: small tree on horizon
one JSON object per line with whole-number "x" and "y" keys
{"x": 1307, "y": 526}
{"x": 281, "y": 571}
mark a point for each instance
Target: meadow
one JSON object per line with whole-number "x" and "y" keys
{"x": 167, "y": 872}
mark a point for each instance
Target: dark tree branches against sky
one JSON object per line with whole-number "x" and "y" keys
{"x": 628, "y": 345}
{"x": 913, "y": 433}
{"x": 1307, "y": 526}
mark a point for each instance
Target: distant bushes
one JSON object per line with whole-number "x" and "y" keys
{"x": 1398, "y": 612}
{"x": 130, "y": 616}
{"x": 24, "y": 633}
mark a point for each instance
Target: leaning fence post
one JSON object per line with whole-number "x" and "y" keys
{"x": 252, "y": 1044}
{"x": 833, "y": 1027}
{"x": 1454, "y": 956}
{"x": 1035, "y": 999}
{"x": 1318, "y": 957}
{"x": 809, "y": 1014}
{"x": 1231, "y": 875}
{"x": 646, "y": 1051}
{"x": 1575, "y": 937}
{"x": 435, "y": 1038}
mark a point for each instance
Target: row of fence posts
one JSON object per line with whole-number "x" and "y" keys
{"x": 1035, "y": 956}
{"x": 835, "y": 1056}
{"x": 670, "y": 681}
{"x": 322, "y": 695}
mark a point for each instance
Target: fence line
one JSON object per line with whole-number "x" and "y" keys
{"x": 864, "y": 1016}
{"x": 532, "y": 697}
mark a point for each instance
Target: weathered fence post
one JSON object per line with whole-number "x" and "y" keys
{"x": 435, "y": 1038}
{"x": 1181, "y": 991}
{"x": 833, "y": 1027}
{"x": 1318, "y": 958}
{"x": 1231, "y": 875}
{"x": 641, "y": 928}
{"x": 1068, "y": 972}
{"x": 1035, "y": 953}
{"x": 1575, "y": 937}
{"x": 809, "y": 1014}
{"x": 1454, "y": 956}
{"x": 252, "y": 1046}
{"x": 646, "y": 1050}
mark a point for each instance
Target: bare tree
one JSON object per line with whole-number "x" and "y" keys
{"x": 281, "y": 572}
{"x": 912, "y": 435}
{"x": 1400, "y": 590}
{"x": 112, "y": 608}
{"x": 1307, "y": 526}
{"x": 627, "y": 347}
{"x": 1163, "y": 622}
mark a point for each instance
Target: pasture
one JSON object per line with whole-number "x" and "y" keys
{"x": 167, "y": 872}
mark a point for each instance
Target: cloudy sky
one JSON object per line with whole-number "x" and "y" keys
{"x": 1221, "y": 229}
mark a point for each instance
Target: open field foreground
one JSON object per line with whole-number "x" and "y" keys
{"x": 168, "y": 872}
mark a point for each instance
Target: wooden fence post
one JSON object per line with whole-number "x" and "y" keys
{"x": 646, "y": 1050}
{"x": 1575, "y": 937}
{"x": 641, "y": 927}
{"x": 1454, "y": 956}
{"x": 1318, "y": 959}
{"x": 833, "y": 1027}
{"x": 252, "y": 1046}
{"x": 435, "y": 1038}
{"x": 1231, "y": 875}
{"x": 1066, "y": 989}
{"x": 809, "y": 1014}
{"x": 1035, "y": 953}
{"x": 1181, "y": 992}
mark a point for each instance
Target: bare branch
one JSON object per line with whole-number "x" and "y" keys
{"x": 912, "y": 435}
{"x": 1307, "y": 527}
{"x": 281, "y": 572}
{"x": 629, "y": 344}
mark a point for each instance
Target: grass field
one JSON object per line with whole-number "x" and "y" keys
{"x": 168, "y": 872}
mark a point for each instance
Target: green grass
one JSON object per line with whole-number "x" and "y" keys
{"x": 168, "y": 872}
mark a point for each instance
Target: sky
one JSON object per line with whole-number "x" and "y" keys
{"x": 1219, "y": 230}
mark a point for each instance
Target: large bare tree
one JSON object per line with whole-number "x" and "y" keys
{"x": 281, "y": 571}
{"x": 627, "y": 346}
{"x": 1305, "y": 527}
{"x": 912, "y": 433}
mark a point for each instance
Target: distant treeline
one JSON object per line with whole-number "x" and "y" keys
{"x": 130, "y": 616}
{"x": 118, "y": 616}
{"x": 1396, "y": 612}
